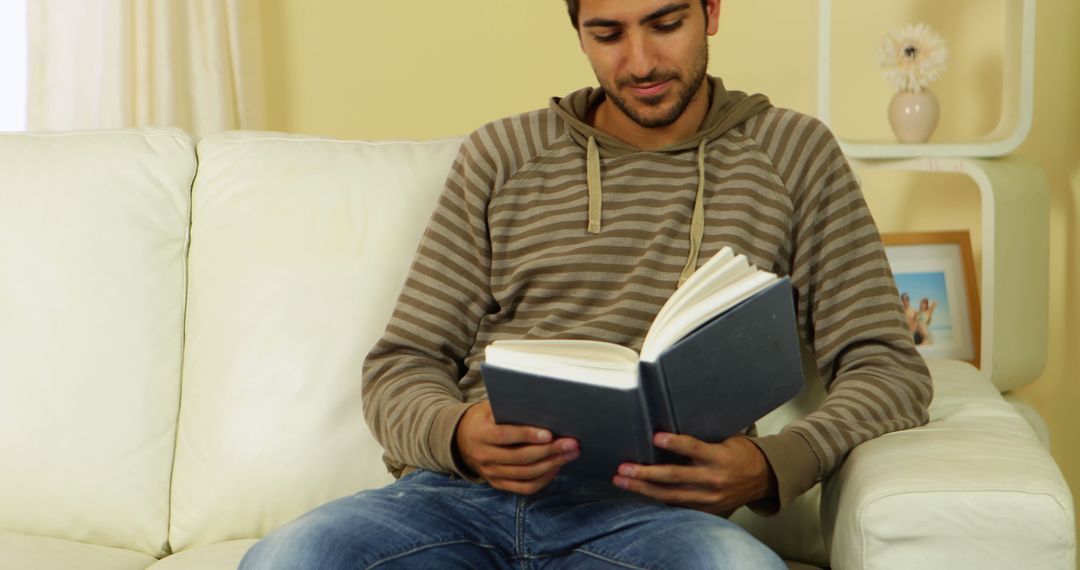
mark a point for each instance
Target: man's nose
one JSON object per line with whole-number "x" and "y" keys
{"x": 642, "y": 57}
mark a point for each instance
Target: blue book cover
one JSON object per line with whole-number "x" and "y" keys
{"x": 710, "y": 383}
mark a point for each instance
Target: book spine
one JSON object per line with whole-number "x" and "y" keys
{"x": 657, "y": 404}
{"x": 655, "y": 394}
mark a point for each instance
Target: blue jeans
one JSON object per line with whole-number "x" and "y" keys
{"x": 432, "y": 520}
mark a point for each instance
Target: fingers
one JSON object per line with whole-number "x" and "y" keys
{"x": 684, "y": 445}
{"x": 712, "y": 463}
{"x": 670, "y": 475}
{"x": 525, "y": 454}
{"x": 688, "y": 486}
{"x": 528, "y": 487}
{"x": 529, "y": 471}
{"x": 520, "y": 459}
{"x": 723, "y": 476}
{"x": 521, "y": 474}
{"x": 504, "y": 434}
{"x": 491, "y": 433}
{"x": 672, "y": 495}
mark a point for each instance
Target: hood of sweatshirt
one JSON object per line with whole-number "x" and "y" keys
{"x": 727, "y": 110}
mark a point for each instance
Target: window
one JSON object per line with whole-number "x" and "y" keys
{"x": 12, "y": 65}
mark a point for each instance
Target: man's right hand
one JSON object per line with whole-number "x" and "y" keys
{"x": 519, "y": 459}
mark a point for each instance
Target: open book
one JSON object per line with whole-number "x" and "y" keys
{"x": 722, "y": 352}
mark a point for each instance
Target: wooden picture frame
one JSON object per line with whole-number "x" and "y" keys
{"x": 936, "y": 270}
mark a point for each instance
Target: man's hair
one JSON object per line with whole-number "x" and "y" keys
{"x": 572, "y": 7}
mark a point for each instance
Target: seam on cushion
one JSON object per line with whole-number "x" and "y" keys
{"x": 870, "y": 502}
{"x": 158, "y": 132}
{"x": 229, "y": 137}
{"x": 183, "y": 346}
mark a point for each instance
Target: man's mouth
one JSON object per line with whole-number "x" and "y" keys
{"x": 650, "y": 89}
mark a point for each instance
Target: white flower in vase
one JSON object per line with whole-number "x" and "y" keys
{"x": 913, "y": 57}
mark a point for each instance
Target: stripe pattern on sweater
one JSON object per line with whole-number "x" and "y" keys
{"x": 507, "y": 254}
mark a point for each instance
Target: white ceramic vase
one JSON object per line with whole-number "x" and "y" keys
{"x": 913, "y": 116}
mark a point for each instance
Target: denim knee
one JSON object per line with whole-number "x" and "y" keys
{"x": 675, "y": 539}
{"x": 726, "y": 546}
{"x": 309, "y": 542}
{"x": 420, "y": 515}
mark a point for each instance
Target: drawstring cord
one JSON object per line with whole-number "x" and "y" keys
{"x": 592, "y": 175}
{"x": 697, "y": 224}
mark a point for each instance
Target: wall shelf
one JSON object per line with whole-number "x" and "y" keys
{"x": 1013, "y": 124}
{"x": 1015, "y": 245}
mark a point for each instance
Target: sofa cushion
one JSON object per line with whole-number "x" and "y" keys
{"x": 916, "y": 475}
{"x": 93, "y": 230}
{"x": 220, "y": 556}
{"x": 974, "y": 488}
{"x": 39, "y": 553}
{"x": 299, "y": 247}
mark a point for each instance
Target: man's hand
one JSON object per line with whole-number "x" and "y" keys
{"x": 519, "y": 459}
{"x": 723, "y": 476}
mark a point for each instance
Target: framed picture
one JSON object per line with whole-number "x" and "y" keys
{"x": 935, "y": 275}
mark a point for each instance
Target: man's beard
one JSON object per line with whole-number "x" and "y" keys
{"x": 682, "y": 101}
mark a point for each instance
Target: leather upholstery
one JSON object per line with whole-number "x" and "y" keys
{"x": 156, "y": 400}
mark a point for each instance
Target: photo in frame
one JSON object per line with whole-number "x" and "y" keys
{"x": 935, "y": 276}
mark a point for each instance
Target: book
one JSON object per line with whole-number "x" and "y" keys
{"x": 721, "y": 353}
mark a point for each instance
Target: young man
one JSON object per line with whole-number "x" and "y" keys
{"x": 579, "y": 221}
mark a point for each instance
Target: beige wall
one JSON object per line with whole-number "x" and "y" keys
{"x": 426, "y": 69}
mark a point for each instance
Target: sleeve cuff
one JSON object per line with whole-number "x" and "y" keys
{"x": 441, "y": 441}
{"x": 795, "y": 465}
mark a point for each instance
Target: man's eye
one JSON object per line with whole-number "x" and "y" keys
{"x": 607, "y": 38}
{"x": 669, "y": 27}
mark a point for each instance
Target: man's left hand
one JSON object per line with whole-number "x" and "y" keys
{"x": 723, "y": 476}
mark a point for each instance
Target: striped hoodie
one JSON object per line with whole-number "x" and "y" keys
{"x": 549, "y": 228}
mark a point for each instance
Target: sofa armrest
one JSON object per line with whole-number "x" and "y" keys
{"x": 972, "y": 489}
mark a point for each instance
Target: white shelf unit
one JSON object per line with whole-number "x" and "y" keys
{"x": 1017, "y": 93}
{"x": 1015, "y": 199}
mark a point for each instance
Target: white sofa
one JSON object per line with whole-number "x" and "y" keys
{"x": 182, "y": 328}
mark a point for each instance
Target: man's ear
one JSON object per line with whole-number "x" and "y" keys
{"x": 712, "y": 17}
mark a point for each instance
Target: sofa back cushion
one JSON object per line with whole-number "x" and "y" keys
{"x": 299, "y": 247}
{"x": 93, "y": 234}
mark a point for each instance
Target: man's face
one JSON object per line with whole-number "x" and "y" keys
{"x": 650, "y": 56}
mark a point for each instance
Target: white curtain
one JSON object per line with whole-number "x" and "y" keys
{"x": 99, "y": 64}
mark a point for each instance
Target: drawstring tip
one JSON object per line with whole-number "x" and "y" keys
{"x": 594, "y": 227}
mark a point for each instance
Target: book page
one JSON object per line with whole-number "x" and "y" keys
{"x": 689, "y": 317}
{"x": 721, "y": 270}
{"x": 584, "y": 361}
